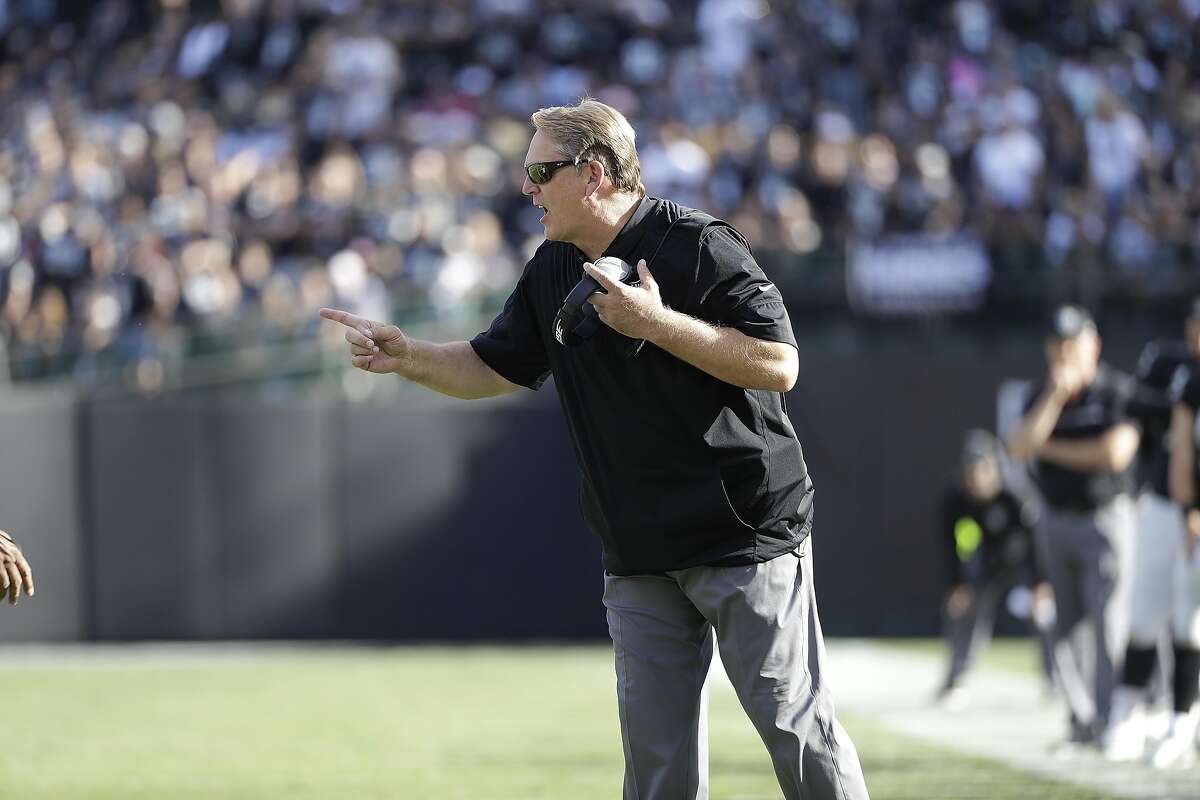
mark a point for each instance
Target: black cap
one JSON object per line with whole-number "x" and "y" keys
{"x": 1067, "y": 322}
{"x": 979, "y": 445}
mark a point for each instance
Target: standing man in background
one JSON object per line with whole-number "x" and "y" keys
{"x": 1161, "y": 600}
{"x": 1077, "y": 435}
{"x": 988, "y": 537}
{"x": 692, "y": 475}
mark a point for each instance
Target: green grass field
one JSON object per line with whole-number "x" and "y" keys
{"x": 422, "y": 722}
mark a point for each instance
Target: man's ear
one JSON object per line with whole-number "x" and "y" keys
{"x": 595, "y": 177}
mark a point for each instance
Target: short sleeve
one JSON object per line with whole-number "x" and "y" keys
{"x": 733, "y": 291}
{"x": 1185, "y": 387}
{"x": 512, "y": 345}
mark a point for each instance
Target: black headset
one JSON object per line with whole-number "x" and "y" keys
{"x": 577, "y": 320}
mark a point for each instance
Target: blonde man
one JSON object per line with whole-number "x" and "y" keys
{"x": 672, "y": 380}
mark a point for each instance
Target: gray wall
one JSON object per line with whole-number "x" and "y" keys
{"x": 235, "y": 516}
{"x": 211, "y": 517}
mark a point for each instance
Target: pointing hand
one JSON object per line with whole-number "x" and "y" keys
{"x": 374, "y": 346}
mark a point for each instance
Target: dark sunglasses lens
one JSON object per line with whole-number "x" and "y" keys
{"x": 538, "y": 173}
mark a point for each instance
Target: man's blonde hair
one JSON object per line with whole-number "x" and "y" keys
{"x": 594, "y": 130}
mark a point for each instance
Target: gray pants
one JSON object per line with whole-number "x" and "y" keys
{"x": 1088, "y": 558}
{"x": 1166, "y": 585}
{"x": 765, "y": 618}
{"x": 970, "y": 633}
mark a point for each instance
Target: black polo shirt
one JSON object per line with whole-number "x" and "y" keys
{"x": 678, "y": 468}
{"x": 1091, "y": 413}
{"x": 1151, "y": 407}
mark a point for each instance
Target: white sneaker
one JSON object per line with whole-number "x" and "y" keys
{"x": 1158, "y": 724}
{"x": 1125, "y": 737}
{"x": 1175, "y": 752}
{"x": 1178, "y": 749}
{"x": 1126, "y": 740}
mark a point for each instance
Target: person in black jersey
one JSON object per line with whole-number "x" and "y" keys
{"x": 987, "y": 533}
{"x": 1160, "y": 602}
{"x": 1178, "y": 748}
{"x": 691, "y": 473}
{"x": 1081, "y": 443}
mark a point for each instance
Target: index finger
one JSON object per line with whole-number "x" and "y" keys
{"x": 344, "y": 317}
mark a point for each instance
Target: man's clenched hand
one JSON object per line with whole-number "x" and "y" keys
{"x": 636, "y": 311}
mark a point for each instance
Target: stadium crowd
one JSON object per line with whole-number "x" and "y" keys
{"x": 174, "y": 170}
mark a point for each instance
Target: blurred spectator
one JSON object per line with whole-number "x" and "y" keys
{"x": 1009, "y": 157}
{"x": 1117, "y": 146}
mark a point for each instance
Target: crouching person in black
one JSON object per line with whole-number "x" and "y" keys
{"x": 987, "y": 531}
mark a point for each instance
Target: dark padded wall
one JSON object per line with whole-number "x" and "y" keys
{"x": 212, "y": 518}
{"x": 462, "y": 521}
{"x": 273, "y": 469}
{"x": 236, "y": 516}
{"x": 148, "y": 511}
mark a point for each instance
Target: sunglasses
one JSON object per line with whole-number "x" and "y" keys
{"x": 543, "y": 171}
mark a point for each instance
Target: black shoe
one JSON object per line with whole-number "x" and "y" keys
{"x": 1085, "y": 734}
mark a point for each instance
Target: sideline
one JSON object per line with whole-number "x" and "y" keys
{"x": 1008, "y": 719}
